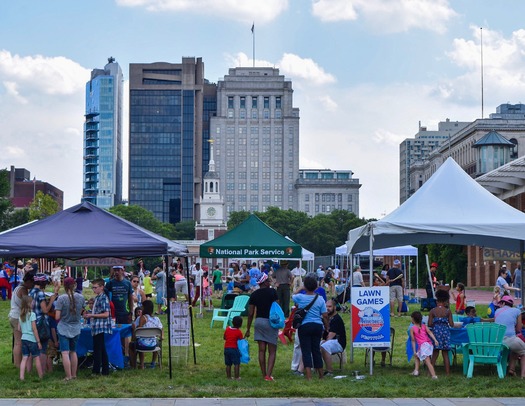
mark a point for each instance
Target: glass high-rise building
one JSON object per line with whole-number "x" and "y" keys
{"x": 170, "y": 106}
{"x": 102, "y": 183}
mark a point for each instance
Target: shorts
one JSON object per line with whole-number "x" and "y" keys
{"x": 514, "y": 343}
{"x": 396, "y": 292}
{"x": 181, "y": 287}
{"x": 52, "y": 350}
{"x": 217, "y": 286}
{"x": 160, "y": 298}
{"x": 332, "y": 346}
{"x": 67, "y": 343}
{"x": 30, "y": 348}
{"x": 232, "y": 356}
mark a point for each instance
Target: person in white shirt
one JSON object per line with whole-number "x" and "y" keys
{"x": 298, "y": 274}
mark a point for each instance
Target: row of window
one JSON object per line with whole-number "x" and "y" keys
{"x": 326, "y": 208}
{"x": 328, "y": 197}
{"x": 254, "y": 102}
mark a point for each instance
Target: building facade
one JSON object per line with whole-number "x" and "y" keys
{"x": 170, "y": 107}
{"x": 320, "y": 191}
{"x": 417, "y": 149}
{"x": 102, "y": 172}
{"x": 23, "y": 189}
{"x": 256, "y": 135}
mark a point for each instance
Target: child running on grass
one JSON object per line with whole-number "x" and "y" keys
{"x": 420, "y": 334}
{"x": 232, "y": 356}
{"x": 31, "y": 345}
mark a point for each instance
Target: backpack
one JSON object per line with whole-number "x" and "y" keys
{"x": 301, "y": 313}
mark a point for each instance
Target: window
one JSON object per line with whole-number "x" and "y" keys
{"x": 266, "y": 103}
{"x": 242, "y": 186}
{"x": 254, "y": 102}
{"x": 306, "y": 197}
{"x": 349, "y": 198}
{"x": 278, "y": 114}
{"x": 230, "y": 102}
{"x": 254, "y": 114}
{"x": 278, "y": 102}
{"x": 266, "y": 114}
{"x": 307, "y": 208}
{"x": 243, "y": 102}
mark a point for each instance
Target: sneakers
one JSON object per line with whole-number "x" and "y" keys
{"x": 414, "y": 373}
{"x": 269, "y": 378}
{"x": 328, "y": 373}
{"x": 435, "y": 377}
{"x": 298, "y": 373}
{"x": 152, "y": 365}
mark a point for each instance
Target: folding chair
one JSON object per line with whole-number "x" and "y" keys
{"x": 388, "y": 350}
{"x": 150, "y": 332}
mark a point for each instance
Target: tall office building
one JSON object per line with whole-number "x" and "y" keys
{"x": 417, "y": 149}
{"x": 256, "y": 136}
{"x": 103, "y": 137}
{"x": 170, "y": 106}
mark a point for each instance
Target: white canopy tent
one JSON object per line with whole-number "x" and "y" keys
{"x": 450, "y": 208}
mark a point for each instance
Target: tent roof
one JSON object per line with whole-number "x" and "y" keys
{"x": 405, "y": 250}
{"x": 450, "y": 208}
{"x": 251, "y": 239}
{"x": 306, "y": 255}
{"x": 82, "y": 231}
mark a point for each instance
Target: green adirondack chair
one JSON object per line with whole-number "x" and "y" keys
{"x": 226, "y": 315}
{"x": 485, "y": 347}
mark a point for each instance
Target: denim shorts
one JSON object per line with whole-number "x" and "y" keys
{"x": 67, "y": 344}
{"x": 30, "y": 348}
{"x": 232, "y": 356}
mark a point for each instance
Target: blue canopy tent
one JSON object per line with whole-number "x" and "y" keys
{"x": 85, "y": 231}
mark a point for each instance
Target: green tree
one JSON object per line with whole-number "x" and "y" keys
{"x": 6, "y": 207}
{"x": 452, "y": 261}
{"x": 185, "y": 230}
{"x": 18, "y": 217}
{"x": 145, "y": 219}
{"x": 42, "y": 206}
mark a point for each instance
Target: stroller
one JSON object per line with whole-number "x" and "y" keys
{"x": 343, "y": 297}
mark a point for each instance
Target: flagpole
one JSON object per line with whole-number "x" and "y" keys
{"x": 253, "y": 47}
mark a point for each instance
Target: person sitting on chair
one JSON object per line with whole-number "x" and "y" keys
{"x": 335, "y": 338}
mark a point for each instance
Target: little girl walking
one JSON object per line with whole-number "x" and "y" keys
{"x": 440, "y": 321}
{"x": 31, "y": 345}
{"x": 420, "y": 334}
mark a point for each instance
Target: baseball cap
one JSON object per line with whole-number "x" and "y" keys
{"x": 508, "y": 300}
{"x": 262, "y": 278}
{"x": 434, "y": 265}
{"x": 397, "y": 262}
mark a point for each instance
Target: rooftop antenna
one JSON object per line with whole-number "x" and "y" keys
{"x": 481, "y": 43}
{"x": 253, "y": 46}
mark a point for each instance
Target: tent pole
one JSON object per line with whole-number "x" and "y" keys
{"x": 522, "y": 289}
{"x": 417, "y": 278}
{"x": 190, "y": 310}
{"x": 371, "y": 266}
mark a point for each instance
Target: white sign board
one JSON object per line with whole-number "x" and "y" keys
{"x": 179, "y": 324}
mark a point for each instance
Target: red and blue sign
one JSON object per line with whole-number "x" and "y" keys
{"x": 370, "y": 317}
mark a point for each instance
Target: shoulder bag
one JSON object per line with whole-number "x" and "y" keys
{"x": 300, "y": 313}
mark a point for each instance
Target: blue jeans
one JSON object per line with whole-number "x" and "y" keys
{"x": 310, "y": 339}
{"x": 67, "y": 344}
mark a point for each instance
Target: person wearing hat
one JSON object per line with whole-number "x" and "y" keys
{"x": 510, "y": 317}
{"x": 41, "y": 306}
{"x": 68, "y": 310}
{"x": 266, "y": 336}
{"x": 394, "y": 279}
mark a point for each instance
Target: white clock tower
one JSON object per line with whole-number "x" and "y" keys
{"x": 212, "y": 222}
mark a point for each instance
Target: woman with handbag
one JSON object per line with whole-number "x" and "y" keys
{"x": 311, "y": 328}
{"x": 41, "y": 307}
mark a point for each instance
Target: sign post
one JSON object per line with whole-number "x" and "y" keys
{"x": 370, "y": 318}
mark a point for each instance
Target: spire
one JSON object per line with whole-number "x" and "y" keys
{"x": 211, "y": 164}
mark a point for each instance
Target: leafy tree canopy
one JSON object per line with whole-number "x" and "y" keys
{"x": 320, "y": 234}
{"x": 144, "y": 218}
{"x": 42, "y": 206}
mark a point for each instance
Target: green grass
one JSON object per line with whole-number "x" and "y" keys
{"x": 207, "y": 378}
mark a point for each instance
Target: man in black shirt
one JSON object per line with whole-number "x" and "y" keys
{"x": 394, "y": 278}
{"x": 335, "y": 338}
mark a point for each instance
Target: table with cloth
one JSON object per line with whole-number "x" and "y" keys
{"x": 112, "y": 342}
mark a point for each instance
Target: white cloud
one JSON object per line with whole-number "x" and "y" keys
{"x": 328, "y": 103}
{"x": 388, "y": 16}
{"x": 241, "y": 10}
{"x": 293, "y": 66}
{"x": 503, "y": 76}
{"x": 42, "y": 115}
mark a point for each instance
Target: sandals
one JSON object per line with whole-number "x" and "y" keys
{"x": 511, "y": 372}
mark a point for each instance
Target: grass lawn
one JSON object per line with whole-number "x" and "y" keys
{"x": 207, "y": 378}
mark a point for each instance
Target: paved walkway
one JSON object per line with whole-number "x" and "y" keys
{"x": 269, "y": 402}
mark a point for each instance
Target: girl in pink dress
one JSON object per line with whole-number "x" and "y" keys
{"x": 420, "y": 334}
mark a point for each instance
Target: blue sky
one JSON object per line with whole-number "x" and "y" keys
{"x": 365, "y": 72}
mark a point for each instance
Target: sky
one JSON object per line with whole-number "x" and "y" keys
{"x": 365, "y": 73}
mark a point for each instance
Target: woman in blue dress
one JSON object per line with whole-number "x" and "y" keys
{"x": 440, "y": 320}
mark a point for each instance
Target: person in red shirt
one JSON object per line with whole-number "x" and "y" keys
{"x": 232, "y": 356}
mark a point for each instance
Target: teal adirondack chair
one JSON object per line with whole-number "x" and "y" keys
{"x": 485, "y": 347}
{"x": 226, "y": 315}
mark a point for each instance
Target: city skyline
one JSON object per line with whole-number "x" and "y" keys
{"x": 361, "y": 82}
